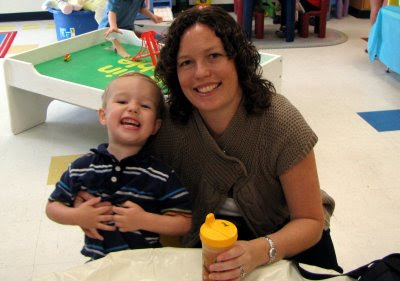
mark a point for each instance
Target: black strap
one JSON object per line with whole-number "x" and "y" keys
{"x": 389, "y": 264}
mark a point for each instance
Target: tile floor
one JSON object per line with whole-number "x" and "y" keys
{"x": 357, "y": 165}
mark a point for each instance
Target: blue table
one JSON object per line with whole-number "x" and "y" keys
{"x": 290, "y": 6}
{"x": 384, "y": 38}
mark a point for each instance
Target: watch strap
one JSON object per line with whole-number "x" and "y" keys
{"x": 272, "y": 249}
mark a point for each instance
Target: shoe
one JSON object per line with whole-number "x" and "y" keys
{"x": 280, "y": 33}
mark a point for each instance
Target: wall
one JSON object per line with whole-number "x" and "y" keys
{"x": 20, "y": 6}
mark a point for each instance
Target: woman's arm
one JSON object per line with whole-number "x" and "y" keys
{"x": 301, "y": 188}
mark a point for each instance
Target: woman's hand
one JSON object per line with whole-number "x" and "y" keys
{"x": 243, "y": 258}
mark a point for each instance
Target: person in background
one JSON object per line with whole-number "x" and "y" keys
{"x": 121, "y": 14}
{"x": 302, "y": 6}
{"x": 375, "y": 6}
{"x": 145, "y": 197}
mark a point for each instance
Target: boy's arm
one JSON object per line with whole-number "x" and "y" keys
{"x": 146, "y": 12}
{"x": 132, "y": 217}
{"x": 85, "y": 215}
{"x": 112, "y": 20}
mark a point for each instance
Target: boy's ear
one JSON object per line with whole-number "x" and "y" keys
{"x": 157, "y": 126}
{"x": 102, "y": 116}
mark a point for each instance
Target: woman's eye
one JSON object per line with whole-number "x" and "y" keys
{"x": 214, "y": 56}
{"x": 184, "y": 63}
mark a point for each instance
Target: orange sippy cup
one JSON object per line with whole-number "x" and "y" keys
{"x": 216, "y": 237}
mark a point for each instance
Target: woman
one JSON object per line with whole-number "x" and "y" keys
{"x": 243, "y": 151}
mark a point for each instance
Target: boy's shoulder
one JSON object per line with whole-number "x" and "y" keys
{"x": 159, "y": 165}
{"x": 84, "y": 160}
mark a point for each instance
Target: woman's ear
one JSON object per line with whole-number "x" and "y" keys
{"x": 102, "y": 116}
{"x": 157, "y": 126}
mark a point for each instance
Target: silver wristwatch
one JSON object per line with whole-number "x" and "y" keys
{"x": 272, "y": 249}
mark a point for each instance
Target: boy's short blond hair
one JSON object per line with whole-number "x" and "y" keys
{"x": 161, "y": 101}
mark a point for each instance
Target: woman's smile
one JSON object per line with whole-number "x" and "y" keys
{"x": 208, "y": 88}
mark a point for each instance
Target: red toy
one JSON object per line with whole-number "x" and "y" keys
{"x": 149, "y": 47}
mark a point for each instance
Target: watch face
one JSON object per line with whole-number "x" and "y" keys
{"x": 272, "y": 252}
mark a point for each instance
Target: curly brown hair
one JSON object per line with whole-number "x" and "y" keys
{"x": 257, "y": 90}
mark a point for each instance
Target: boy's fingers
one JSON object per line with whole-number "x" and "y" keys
{"x": 105, "y": 227}
{"x": 106, "y": 218}
{"x": 85, "y": 195}
{"x": 93, "y": 233}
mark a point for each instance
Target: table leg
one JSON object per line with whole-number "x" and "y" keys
{"x": 290, "y": 19}
{"x": 27, "y": 109}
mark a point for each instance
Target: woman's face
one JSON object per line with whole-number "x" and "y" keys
{"x": 208, "y": 78}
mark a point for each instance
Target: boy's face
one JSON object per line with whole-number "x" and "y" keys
{"x": 130, "y": 113}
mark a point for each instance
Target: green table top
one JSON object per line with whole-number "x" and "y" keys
{"x": 95, "y": 66}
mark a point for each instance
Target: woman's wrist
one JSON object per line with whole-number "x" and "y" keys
{"x": 271, "y": 253}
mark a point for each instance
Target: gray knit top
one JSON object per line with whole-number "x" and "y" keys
{"x": 246, "y": 162}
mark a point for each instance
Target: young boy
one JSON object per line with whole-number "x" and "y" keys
{"x": 122, "y": 14}
{"x": 146, "y": 198}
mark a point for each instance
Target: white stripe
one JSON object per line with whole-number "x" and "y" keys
{"x": 134, "y": 195}
{"x": 95, "y": 251}
{"x": 149, "y": 170}
{"x": 144, "y": 171}
{"x": 158, "y": 172}
{"x": 179, "y": 195}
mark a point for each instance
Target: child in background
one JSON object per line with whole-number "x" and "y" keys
{"x": 121, "y": 14}
{"x": 146, "y": 198}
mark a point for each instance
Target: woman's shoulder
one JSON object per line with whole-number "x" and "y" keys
{"x": 281, "y": 110}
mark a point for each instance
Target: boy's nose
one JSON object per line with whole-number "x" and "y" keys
{"x": 133, "y": 107}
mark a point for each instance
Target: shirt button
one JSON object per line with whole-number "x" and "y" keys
{"x": 118, "y": 168}
{"x": 113, "y": 179}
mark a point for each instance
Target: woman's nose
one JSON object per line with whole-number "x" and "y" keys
{"x": 202, "y": 70}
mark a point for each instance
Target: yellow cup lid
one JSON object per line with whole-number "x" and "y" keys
{"x": 218, "y": 233}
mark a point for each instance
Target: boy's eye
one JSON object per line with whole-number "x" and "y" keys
{"x": 121, "y": 101}
{"x": 146, "y": 106}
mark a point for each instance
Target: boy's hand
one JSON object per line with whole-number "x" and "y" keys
{"x": 79, "y": 200}
{"x": 156, "y": 19}
{"x": 89, "y": 216}
{"x": 111, "y": 30}
{"x": 129, "y": 217}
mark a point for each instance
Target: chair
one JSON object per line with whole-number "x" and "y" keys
{"x": 320, "y": 20}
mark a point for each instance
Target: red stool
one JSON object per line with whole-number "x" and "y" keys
{"x": 320, "y": 20}
{"x": 259, "y": 23}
